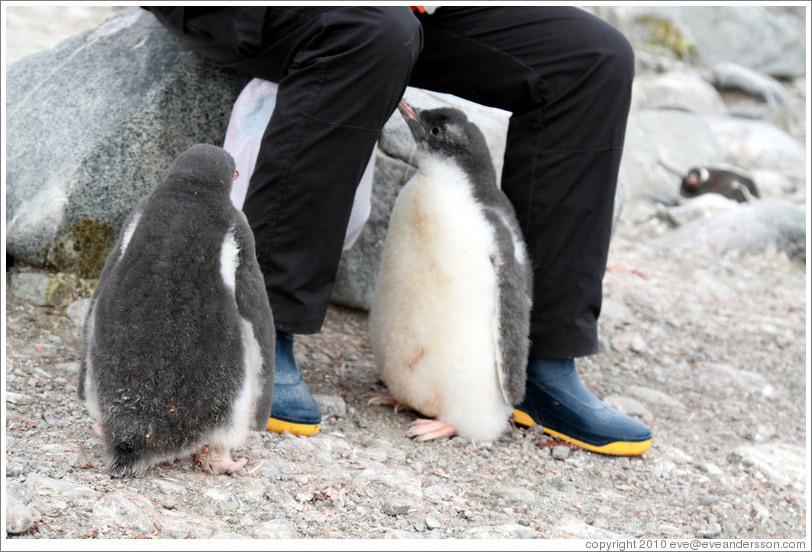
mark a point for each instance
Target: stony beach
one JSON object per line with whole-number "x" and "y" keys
{"x": 709, "y": 348}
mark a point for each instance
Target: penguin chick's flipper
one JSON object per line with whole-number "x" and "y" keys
{"x": 218, "y": 461}
{"x": 253, "y": 306}
{"x": 426, "y": 430}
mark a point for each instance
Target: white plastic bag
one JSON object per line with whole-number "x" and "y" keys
{"x": 249, "y": 117}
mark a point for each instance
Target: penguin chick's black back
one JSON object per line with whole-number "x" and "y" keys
{"x": 167, "y": 362}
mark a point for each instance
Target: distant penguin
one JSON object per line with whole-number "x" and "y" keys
{"x": 450, "y": 318}
{"x": 179, "y": 339}
{"x": 702, "y": 180}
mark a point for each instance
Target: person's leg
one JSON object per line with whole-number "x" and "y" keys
{"x": 341, "y": 72}
{"x": 566, "y": 76}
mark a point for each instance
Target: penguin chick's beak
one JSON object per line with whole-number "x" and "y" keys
{"x": 407, "y": 111}
{"x": 412, "y": 117}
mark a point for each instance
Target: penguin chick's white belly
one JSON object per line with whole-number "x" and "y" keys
{"x": 437, "y": 305}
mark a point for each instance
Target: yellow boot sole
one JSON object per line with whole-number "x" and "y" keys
{"x": 280, "y": 426}
{"x": 618, "y": 448}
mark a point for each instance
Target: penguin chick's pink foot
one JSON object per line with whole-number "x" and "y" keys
{"x": 389, "y": 400}
{"x": 218, "y": 462}
{"x": 97, "y": 431}
{"x": 426, "y": 430}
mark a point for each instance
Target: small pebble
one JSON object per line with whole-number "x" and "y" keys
{"x": 18, "y": 398}
{"x": 395, "y": 509}
{"x": 19, "y": 518}
{"x": 561, "y": 452}
{"x": 432, "y": 523}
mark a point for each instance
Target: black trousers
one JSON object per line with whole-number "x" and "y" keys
{"x": 564, "y": 74}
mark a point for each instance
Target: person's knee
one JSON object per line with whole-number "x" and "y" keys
{"x": 392, "y": 37}
{"x": 618, "y": 56}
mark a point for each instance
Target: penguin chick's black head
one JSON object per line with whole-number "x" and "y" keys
{"x": 204, "y": 165}
{"x": 447, "y": 132}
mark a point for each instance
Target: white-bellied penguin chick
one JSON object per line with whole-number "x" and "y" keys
{"x": 450, "y": 318}
{"x": 179, "y": 339}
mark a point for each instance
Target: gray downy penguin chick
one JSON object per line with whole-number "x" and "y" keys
{"x": 450, "y": 318}
{"x": 179, "y": 339}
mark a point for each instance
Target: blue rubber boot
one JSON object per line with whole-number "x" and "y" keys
{"x": 558, "y": 401}
{"x": 294, "y": 408}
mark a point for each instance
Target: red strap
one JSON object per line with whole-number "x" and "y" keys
{"x": 418, "y": 9}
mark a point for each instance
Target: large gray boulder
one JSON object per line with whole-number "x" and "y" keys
{"x": 764, "y": 225}
{"x": 756, "y": 144}
{"x": 770, "y": 41}
{"x": 683, "y": 90}
{"x": 93, "y": 125}
{"x": 660, "y": 138}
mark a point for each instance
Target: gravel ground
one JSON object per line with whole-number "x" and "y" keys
{"x": 709, "y": 350}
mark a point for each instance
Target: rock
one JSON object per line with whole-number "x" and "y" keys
{"x": 439, "y": 492}
{"x": 711, "y": 531}
{"x": 19, "y": 517}
{"x": 767, "y": 224}
{"x": 92, "y": 126}
{"x": 614, "y": 313}
{"x": 682, "y": 90}
{"x": 759, "y": 512}
{"x": 40, "y": 288}
{"x": 696, "y": 208}
{"x": 181, "y": 525}
{"x": 399, "y": 478}
{"x": 561, "y": 452}
{"x": 666, "y": 199}
{"x": 772, "y": 183}
{"x": 222, "y": 497}
{"x": 18, "y": 398}
{"x": 519, "y": 494}
{"x": 654, "y": 136}
{"x": 629, "y": 406}
{"x": 724, "y": 376}
{"x": 711, "y": 469}
{"x": 77, "y": 312}
{"x": 711, "y": 34}
{"x": 655, "y": 397}
{"x": 14, "y": 469}
{"x": 120, "y": 510}
{"x": 629, "y": 341}
{"x": 331, "y": 405}
{"x": 782, "y": 464}
{"x": 758, "y": 145}
{"x": 664, "y": 469}
{"x": 69, "y": 367}
{"x": 396, "y": 509}
{"x": 729, "y": 75}
{"x": 432, "y": 523}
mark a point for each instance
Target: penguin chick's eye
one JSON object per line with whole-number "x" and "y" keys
{"x": 435, "y": 131}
